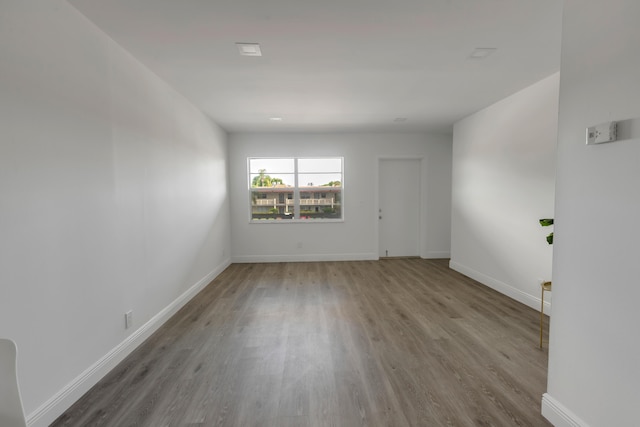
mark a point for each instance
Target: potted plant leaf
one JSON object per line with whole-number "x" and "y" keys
{"x": 545, "y": 222}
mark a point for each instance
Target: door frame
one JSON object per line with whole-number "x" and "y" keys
{"x": 421, "y": 200}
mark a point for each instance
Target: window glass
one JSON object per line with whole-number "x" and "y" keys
{"x": 295, "y": 188}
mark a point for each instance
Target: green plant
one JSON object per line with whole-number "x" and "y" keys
{"x": 264, "y": 180}
{"x": 545, "y": 222}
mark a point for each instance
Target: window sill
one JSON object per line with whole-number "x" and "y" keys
{"x": 295, "y": 221}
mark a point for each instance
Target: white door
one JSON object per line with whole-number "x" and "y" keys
{"x": 399, "y": 213}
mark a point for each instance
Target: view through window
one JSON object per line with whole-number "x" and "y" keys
{"x": 296, "y": 188}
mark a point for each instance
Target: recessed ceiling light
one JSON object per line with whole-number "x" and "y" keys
{"x": 400, "y": 119}
{"x": 482, "y": 52}
{"x": 275, "y": 119}
{"x": 249, "y": 49}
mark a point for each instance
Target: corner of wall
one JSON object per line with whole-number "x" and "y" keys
{"x": 558, "y": 414}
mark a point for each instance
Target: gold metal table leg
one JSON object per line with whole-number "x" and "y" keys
{"x": 541, "y": 312}
{"x": 544, "y": 286}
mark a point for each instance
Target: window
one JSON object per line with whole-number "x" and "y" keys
{"x": 296, "y": 188}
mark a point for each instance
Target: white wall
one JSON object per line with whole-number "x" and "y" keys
{"x": 594, "y": 356}
{"x": 357, "y": 236}
{"x": 113, "y": 197}
{"x": 503, "y": 183}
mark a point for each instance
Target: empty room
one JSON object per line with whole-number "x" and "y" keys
{"x": 338, "y": 213}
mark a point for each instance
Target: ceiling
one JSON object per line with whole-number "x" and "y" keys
{"x": 338, "y": 65}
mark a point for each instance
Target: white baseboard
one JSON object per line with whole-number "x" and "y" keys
{"x": 532, "y": 301}
{"x": 365, "y": 256}
{"x": 558, "y": 414}
{"x": 61, "y": 401}
{"x": 305, "y": 258}
{"x": 437, "y": 255}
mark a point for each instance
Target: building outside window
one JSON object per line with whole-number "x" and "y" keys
{"x": 304, "y": 189}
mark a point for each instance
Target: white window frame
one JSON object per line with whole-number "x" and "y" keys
{"x": 296, "y": 192}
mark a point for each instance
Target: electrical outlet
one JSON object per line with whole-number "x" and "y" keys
{"x": 128, "y": 319}
{"x": 299, "y": 245}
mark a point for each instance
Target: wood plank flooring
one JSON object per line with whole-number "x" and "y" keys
{"x": 401, "y": 342}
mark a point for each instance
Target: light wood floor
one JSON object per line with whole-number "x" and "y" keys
{"x": 367, "y": 343}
